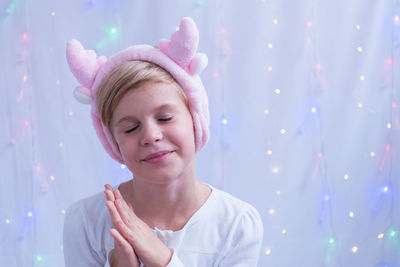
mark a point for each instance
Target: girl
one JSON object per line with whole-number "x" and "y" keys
{"x": 150, "y": 111}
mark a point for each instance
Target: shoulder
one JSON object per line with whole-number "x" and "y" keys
{"x": 231, "y": 206}
{"x": 88, "y": 216}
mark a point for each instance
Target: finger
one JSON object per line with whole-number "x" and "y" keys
{"x": 117, "y": 221}
{"x": 121, "y": 242}
{"x": 109, "y": 192}
{"x": 125, "y": 213}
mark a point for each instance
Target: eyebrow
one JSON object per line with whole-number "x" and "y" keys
{"x": 164, "y": 106}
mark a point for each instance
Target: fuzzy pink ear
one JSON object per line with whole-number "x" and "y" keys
{"x": 183, "y": 44}
{"x": 83, "y": 63}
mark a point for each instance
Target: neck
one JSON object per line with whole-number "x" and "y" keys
{"x": 169, "y": 205}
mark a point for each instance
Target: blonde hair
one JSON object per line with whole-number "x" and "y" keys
{"x": 127, "y": 76}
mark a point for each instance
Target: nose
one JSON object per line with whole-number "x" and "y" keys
{"x": 151, "y": 133}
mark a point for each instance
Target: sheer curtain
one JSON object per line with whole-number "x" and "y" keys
{"x": 304, "y": 101}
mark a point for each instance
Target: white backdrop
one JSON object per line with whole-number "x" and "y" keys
{"x": 305, "y": 104}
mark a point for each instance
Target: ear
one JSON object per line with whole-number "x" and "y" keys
{"x": 198, "y": 64}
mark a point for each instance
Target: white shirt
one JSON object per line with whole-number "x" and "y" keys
{"x": 224, "y": 232}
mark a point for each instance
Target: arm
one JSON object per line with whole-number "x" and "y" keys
{"x": 78, "y": 251}
{"x": 244, "y": 244}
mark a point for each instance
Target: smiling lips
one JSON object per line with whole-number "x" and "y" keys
{"x": 157, "y": 157}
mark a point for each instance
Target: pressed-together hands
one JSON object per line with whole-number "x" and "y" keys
{"x": 133, "y": 238}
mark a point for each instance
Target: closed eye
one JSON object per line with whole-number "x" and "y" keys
{"x": 165, "y": 119}
{"x": 131, "y": 130}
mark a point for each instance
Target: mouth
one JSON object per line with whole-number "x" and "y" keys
{"x": 157, "y": 157}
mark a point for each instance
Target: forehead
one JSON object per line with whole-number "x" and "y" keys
{"x": 149, "y": 97}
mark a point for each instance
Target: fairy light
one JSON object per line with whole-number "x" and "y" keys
{"x": 372, "y": 154}
{"x": 326, "y": 197}
{"x": 269, "y": 45}
{"x": 393, "y": 104}
{"x": 313, "y": 109}
{"x": 275, "y": 170}
{"x": 360, "y": 105}
{"x": 39, "y": 258}
{"x": 271, "y": 211}
{"x": 224, "y": 121}
{"x": 26, "y": 123}
{"x": 8, "y": 221}
{"x": 275, "y": 21}
{"x": 380, "y": 236}
{"x": 269, "y": 152}
{"x": 387, "y": 147}
{"x": 61, "y": 145}
{"x": 351, "y": 214}
{"x": 358, "y": 27}
{"x": 385, "y": 189}
{"x": 354, "y": 249}
{"x": 53, "y": 13}
{"x": 52, "y": 178}
{"x": 309, "y": 24}
{"x": 223, "y": 30}
{"x": 25, "y": 79}
{"x": 362, "y": 77}
{"x": 283, "y": 231}
{"x": 30, "y": 214}
{"x": 266, "y": 111}
{"x": 278, "y": 192}
{"x": 393, "y": 233}
{"x": 283, "y": 131}
{"x": 396, "y": 19}
{"x": 25, "y": 36}
{"x": 331, "y": 241}
{"x": 346, "y": 176}
{"x": 268, "y": 251}
{"x": 38, "y": 168}
{"x": 123, "y": 166}
{"x": 359, "y": 49}
{"x": 318, "y": 66}
{"x": 269, "y": 68}
{"x": 389, "y": 125}
{"x": 215, "y": 74}
{"x": 277, "y": 91}
{"x": 319, "y": 155}
{"x": 62, "y": 211}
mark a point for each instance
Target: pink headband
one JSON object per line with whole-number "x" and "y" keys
{"x": 178, "y": 57}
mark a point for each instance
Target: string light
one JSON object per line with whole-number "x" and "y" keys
{"x": 52, "y": 178}
{"x": 266, "y": 111}
{"x": 360, "y": 105}
{"x": 346, "y": 176}
{"x": 223, "y": 30}
{"x": 269, "y": 152}
{"x": 351, "y": 214}
{"x": 63, "y": 211}
{"x": 362, "y": 77}
{"x": 309, "y": 24}
{"x": 380, "y": 236}
{"x": 318, "y": 66}
{"x": 283, "y": 131}
{"x": 271, "y": 211}
{"x": 8, "y": 221}
{"x": 284, "y": 231}
{"x": 313, "y": 109}
{"x": 268, "y": 251}
{"x": 26, "y": 123}
{"x": 277, "y": 91}
{"x": 25, "y": 78}
{"x": 224, "y": 121}
{"x": 38, "y": 168}
{"x": 215, "y": 74}
{"x": 275, "y": 170}
{"x": 25, "y": 36}
{"x": 269, "y": 68}
{"x": 389, "y": 125}
{"x": 123, "y": 166}
{"x": 359, "y": 49}
{"x": 278, "y": 192}
{"x": 30, "y": 214}
{"x": 53, "y": 13}
{"x": 269, "y": 45}
{"x": 358, "y": 27}
{"x": 354, "y": 249}
{"x": 372, "y": 154}
{"x": 275, "y": 21}
{"x": 61, "y": 145}
{"x": 319, "y": 155}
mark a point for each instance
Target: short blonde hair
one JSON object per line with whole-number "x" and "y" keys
{"x": 127, "y": 76}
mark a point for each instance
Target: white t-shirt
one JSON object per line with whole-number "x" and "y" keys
{"x": 224, "y": 232}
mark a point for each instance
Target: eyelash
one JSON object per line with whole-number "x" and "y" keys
{"x": 162, "y": 120}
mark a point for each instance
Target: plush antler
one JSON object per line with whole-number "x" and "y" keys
{"x": 84, "y": 64}
{"x": 183, "y": 46}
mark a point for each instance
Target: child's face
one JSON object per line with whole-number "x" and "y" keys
{"x": 154, "y": 131}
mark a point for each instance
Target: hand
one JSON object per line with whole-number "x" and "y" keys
{"x": 123, "y": 254}
{"x": 148, "y": 247}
